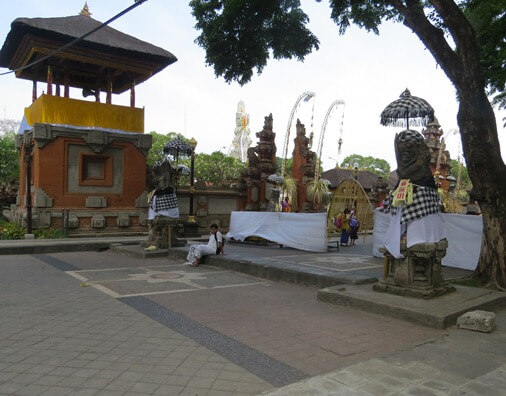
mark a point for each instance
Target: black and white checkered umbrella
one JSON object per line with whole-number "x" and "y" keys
{"x": 406, "y": 111}
{"x": 276, "y": 179}
{"x": 177, "y": 147}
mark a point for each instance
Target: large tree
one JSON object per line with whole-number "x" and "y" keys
{"x": 239, "y": 35}
{"x": 375, "y": 165}
{"x": 217, "y": 168}
{"x": 9, "y": 156}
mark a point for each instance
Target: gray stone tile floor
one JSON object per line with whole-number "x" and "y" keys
{"x": 209, "y": 331}
{"x": 57, "y": 337}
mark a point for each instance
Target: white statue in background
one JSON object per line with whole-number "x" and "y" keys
{"x": 242, "y": 140}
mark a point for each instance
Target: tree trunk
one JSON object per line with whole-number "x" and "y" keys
{"x": 488, "y": 173}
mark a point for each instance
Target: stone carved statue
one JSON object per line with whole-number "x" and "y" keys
{"x": 414, "y": 243}
{"x": 273, "y": 205}
{"x": 163, "y": 206}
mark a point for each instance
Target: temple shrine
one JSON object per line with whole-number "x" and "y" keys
{"x": 440, "y": 158}
{"x": 303, "y": 168}
{"x": 87, "y": 158}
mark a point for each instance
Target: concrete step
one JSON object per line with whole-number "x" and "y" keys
{"x": 439, "y": 312}
{"x": 43, "y": 246}
{"x": 280, "y": 271}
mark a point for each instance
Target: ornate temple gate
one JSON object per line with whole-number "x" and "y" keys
{"x": 349, "y": 193}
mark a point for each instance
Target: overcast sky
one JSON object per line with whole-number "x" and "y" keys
{"x": 366, "y": 71}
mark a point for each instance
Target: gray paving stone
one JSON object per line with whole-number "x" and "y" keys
{"x": 166, "y": 389}
{"x": 131, "y": 376}
{"x": 59, "y": 390}
{"x": 348, "y": 378}
{"x": 479, "y": 389}
{"x": 48, "y": 380}
{"x": 25, "y": 378}
{"x": 419, "y": 390}
{"x": 144, "y": 387}
{"x": 10, "y": 387}
{"x": 120, "y": 385}
{"x": 32, "y": 390}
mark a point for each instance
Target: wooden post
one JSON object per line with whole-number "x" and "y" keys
{"x": 108, "y": 99}
{"x": 34, "y": 91}
{"x": 97, "y": 95}
{"x": 66, "y": 92}
{"x": 132, "y": 95}
{"x": 49, "y": 81}
{"x": 57, "y": 89}
{"x": 27, "y": 157}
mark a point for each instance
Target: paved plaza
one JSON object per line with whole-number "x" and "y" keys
{"x": 105, "y": 323}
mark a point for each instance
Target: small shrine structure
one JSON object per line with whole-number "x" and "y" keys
{"x": 261, "y": 164}
{"x": 303, "y": 167}
{"x": 85, "y": 157}
{"x": 440, "y": 158}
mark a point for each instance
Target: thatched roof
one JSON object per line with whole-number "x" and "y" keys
{"x": 337, "y": 175}
{"x": 106, "y": 42}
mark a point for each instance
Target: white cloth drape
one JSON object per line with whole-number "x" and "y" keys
{"x": 172, "y": 213}
{"x": 304, "y": 231}
{"x": 464, "y": 233}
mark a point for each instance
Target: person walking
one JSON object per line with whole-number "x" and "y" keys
{"x": 354, "y": 227}
{"x": 214, "y": 246}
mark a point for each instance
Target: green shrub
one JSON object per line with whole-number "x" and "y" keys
{"x": 10, "y": 230}
{"x": 47, "y": 233}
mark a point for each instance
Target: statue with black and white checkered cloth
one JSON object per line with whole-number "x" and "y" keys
{"x": 414, "y": 243}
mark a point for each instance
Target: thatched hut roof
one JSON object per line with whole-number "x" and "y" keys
{"x": 107, "y": 48}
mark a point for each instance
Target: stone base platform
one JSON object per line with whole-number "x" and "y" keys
{"x": 141, "y": 252}
{"x": 439, "y": 312}
{"x": 425, "y": 293}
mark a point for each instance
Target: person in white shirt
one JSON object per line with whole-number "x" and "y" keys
{"x": 214, "y": 246}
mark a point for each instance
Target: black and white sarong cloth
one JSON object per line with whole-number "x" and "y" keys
{"x": 426, "y": 201}
{"x": 165, "y": 202}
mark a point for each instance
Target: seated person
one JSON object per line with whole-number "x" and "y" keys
{"x": 214, "y": 246}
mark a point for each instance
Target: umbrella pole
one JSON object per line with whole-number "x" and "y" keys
{"x": 407, "y": 121}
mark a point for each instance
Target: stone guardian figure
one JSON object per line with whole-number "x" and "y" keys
{"x": 414, "y": 243}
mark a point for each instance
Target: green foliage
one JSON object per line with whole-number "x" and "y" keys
{"x": 470, "y": 282}
{"x": 318, "y": 192}
{"x": 9, "y": 155}
{"x": 290, "y": 186}
{"x": 279, "y": 165}
{"x": 240, "y": 35}
{"x": 10, "y": 230}
{"x": 47, "y": 233}
{"x": 375, "y": 165}
{"x": 216, "y": 168}
{"x": 159, "y": 140}
{"x": 489, "y": 22}
{"x": 465, "y": 180}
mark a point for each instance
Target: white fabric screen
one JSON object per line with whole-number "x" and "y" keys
{"x": 304, "y": 231}
{"x": 463, "y": 232}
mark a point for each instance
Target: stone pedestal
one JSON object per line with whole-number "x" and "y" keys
{"x": 191, "y": 229}
{"x": 159, "y": 230}
{"x": 418, "y": 274}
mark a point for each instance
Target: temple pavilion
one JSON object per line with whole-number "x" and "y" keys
{"x": 85, "y": 156}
